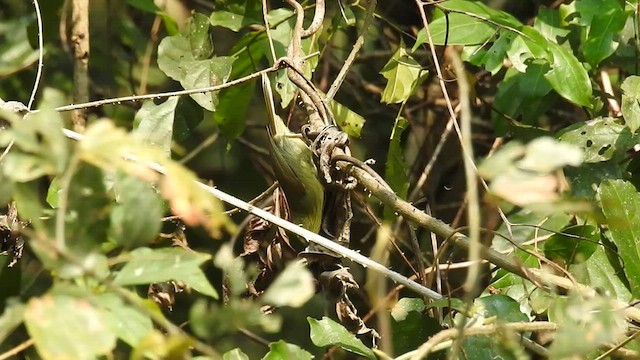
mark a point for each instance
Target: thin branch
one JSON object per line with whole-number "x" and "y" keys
{"x": 316, "y": 23}
{"x": 473, "y": 210}
{"x": 449, "y": 334}
{"x": 17, "y": 350}
{"x": 333, "y": 89}
{"x": 434, "y": 157}
{"x": 36, "y": 83}
{"x": 267, "y": 28}
{"x": 302, "y": 232}
{"x": 277, "y": 66}
{"x": 414, "y": 215}
{"x": 444, "y": 231}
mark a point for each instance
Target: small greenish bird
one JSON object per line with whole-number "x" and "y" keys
{"x": 293, "y": 166}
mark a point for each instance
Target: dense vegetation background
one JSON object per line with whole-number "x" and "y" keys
{"x": 488, "y": 184}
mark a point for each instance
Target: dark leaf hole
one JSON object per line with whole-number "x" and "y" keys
{"x": 604, "y": 149}
{"x": 589, "y": 143}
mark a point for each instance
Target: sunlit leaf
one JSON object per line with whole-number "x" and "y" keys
{"x": 40, "y": 146}
{"x": 348, "y": 120}
{"x": 599, "y": 273}
{"x": 85, "y": 334}
{"x": 15, "y": 51}
{"x": 600, "y": 139}
{"x": 326, "y": 332}
{"x": 293, "y": 287}
{"x": 584, "y": 326}
{"x": 237, "y": 16}
{"x": 281, "y": 351}
{"x": 153, "y": 123}
{"x": 568, "y": 77}
{"x": 631, "y": 102}
{"x": 620, "y": 203}
{"x": 147, "y": 266}
{"x": 235, "y": 354}
{"x": 468, "y": 25}
{"x": 403, "y": 74}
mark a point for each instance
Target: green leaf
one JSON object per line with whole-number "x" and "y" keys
{"x": 530, "y": 47}
{"x": 87, "y": 217}
{"x": 197, "y": 31}
{"x": 40, "y": 146}
{"x": 568, "y": 77}
{"x": 15, "y": 51}
{"x": 521, "y": 96}
{"x": 504, "y": 309}
{"x": 214, "y": 321}
{"x": 411, "y": 332}
{"x": 185, "y": 58}
{"x": 85, "y": 334}
{"x": 234, "y": 102}
{"x": 404, "y": 306}
{"x": 550, "y": 24}
{"x": 585, "y": 326}
{"x": 129, "y": 324}
{"x": 631, "y": 102}
{"x": 403, "y": 74}
{"x": 326, "y": 332}
{"x": 293, "y": 287}
{"x": 461, "y": 29}
{"x": 147, "y": 266}
{"x": 284, "y": 351}
{"x": 206, "y": 73}
{"x": 604, "y": 20}
{"x": 599, "y": 273}
{"x": 187, "y": 116}
{"x": 153, "y": 123}
{"x": 136, "y": 219}
{"x": 494, "y": 57}
{"x": 348, "y": 120}
{"x": 620, "y": 203}
{"x": 235, "y": 354}
{"x": 600, "y": 139}
{"x": 236, "y": 15}
{"x": 172, "y": 50}
{"x": 575, "y": 244}
{"x": 586, "y": 178}
{"x": 455, "y": 29}
{"x": 10, "y": 318}
{"x": 396, "y": 168}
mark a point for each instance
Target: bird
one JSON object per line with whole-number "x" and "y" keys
{"x": 294, "y": 168}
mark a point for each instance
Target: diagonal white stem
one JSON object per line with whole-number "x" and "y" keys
{"x": 304, "y": 233}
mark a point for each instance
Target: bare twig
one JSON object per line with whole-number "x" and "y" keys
{"x": 333, "y": 89}
{"x": 17, "y": 350}
{"x": 302, "y": 232}
{"x": 277, "y": 66}
{"x": 36, "y": 83}
{"x": 316, "y": 23}
{"x": 449, "y": 334}
{"x": 473, "y": 211}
